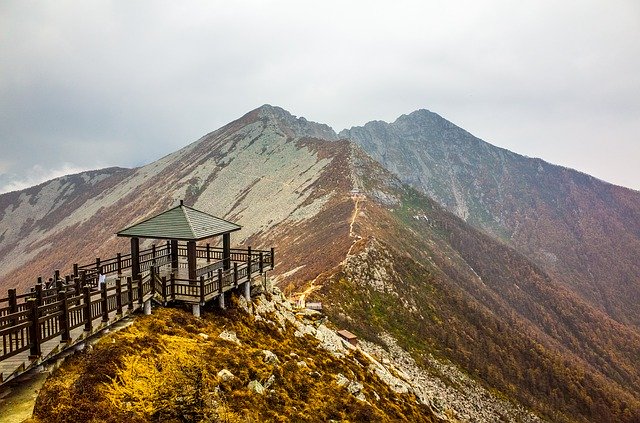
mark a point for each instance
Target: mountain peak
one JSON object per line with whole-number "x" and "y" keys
{"x": 291, "y": 124}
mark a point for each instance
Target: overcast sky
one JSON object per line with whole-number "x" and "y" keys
{"x": 88, "y": 84}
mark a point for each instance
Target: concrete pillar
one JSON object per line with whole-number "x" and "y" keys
{"x": 247, "y": 290}
{"x": 147, "y": 307}
{"x": 221, "y": 301}
{"x": 195, "y": 309}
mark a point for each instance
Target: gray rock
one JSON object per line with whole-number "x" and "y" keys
{"x": 225, "y": 375}
{"x": 270, "y": 358}
{"x": 230, "y": 336}
{"x": 256, "y": 387}
{"x": 270, "y": 381}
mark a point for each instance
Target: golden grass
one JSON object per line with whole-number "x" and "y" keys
{"x": 164, "y": 368}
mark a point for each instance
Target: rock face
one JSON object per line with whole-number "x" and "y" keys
{"x": 584, "y": 231}
{"x": 447, "y": 391}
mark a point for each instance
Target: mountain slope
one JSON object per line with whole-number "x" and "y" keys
{"x": 584, "y": 231}
{"x": 441, "y": 287}
{"x": 258, "y": 171}
{"x": 389, "y": 263}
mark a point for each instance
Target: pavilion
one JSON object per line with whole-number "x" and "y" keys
{"x": 181, "y": 223}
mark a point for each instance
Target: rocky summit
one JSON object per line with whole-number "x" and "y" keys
{"x": 470, "y": 275}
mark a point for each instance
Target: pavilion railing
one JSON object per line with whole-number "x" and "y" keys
{"x": 161, "y": 255}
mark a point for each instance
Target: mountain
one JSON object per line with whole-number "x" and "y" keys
{"x": 387, "y": 261}
{"x": 583, "y": 231}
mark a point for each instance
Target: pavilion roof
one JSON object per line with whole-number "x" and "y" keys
{"x": 182, "y": 223}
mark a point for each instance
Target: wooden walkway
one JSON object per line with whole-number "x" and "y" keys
{"x": 21, "y": 363}
{"x": 56, "y": 316}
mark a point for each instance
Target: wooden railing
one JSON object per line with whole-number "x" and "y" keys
{"x": 161, "y": 255}
{"x": 28, "y": 320}
{"x": 54, "y": 308}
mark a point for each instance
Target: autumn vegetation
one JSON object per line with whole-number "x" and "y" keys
{"x": 165, "y": 368}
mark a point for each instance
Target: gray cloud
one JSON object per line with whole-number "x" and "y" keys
{"x": 102, "y": 83}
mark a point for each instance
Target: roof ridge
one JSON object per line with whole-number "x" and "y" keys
{"x": 210, "y": 215}
{"x": 188, "y": 218}
{"x": 147, "y": 218}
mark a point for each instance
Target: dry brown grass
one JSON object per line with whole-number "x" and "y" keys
{"x": 164, "y": 368}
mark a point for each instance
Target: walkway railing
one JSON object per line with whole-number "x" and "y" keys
{"x": 28, "y": 320}
{"x": 54, "y": 308}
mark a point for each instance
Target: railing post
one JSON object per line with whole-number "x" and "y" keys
{"x": 77, "y": 286}
{"x": 202, "y": 290}
{"x": 273, "y": 257}
{"x": 38, "y": 294}
{"x": 97, "y": 263}
{"x": 249, "y": 263}
{"x": 34, "y": 330}
{"x": 119, "y": 297}
{"x": 83, "y": 277}
{"x": 220, "y": 280}
{"x": 235, "y": 274}
{"x": 56, "y": 275}
{"x": 208, "y": 252}
{"x": 129, "y": 294}
{"x": 119, "y": 258}
{"x": 173, "y": 286}
{"x": 86, "y": 296}
{"x": 105, "y": 302}
{"x": 164, "y": 290}
{"x": 13, "y": 304}
{"x": 75, "y": 270}
{"x": 140, "y": 292}
{"x": 59, "y": 286}
{"x": 64, "y": 317}
{"x": 152, "y": 278}
{"x": 261, "y": 265}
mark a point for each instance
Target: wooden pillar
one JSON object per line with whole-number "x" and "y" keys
{"x": 119, "y": 297}
{"x": 273, "y": 257}
{"x": 34, "y": 330}
{"x": 104, "y": 302}
{"x": 119, "y": 258}
{"x": 191, "y": 259}
{"x": 174, "y": 254}
{"x": 202, "y": 295}
{"x": 65, "y": 327}
{"x": 88, "y": 322}
{"x": 135, "y": 257}
{"x": 129, "y": 294}
{"x": 226, "y": 251}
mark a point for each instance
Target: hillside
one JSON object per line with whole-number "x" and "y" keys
{"x": 389, "y": 263}
{"x": 581, "y": 230}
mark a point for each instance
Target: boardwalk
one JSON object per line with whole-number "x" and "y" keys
{"x": 55, "y": 316}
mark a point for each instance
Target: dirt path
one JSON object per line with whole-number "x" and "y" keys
{"x": 352, "y": 234}
{"x": 17, "y": 399}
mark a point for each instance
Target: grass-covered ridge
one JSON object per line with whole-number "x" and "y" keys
{"x": 166, "y": 367}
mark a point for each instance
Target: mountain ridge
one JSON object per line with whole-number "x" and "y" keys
{"x": 382, "y": 256}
